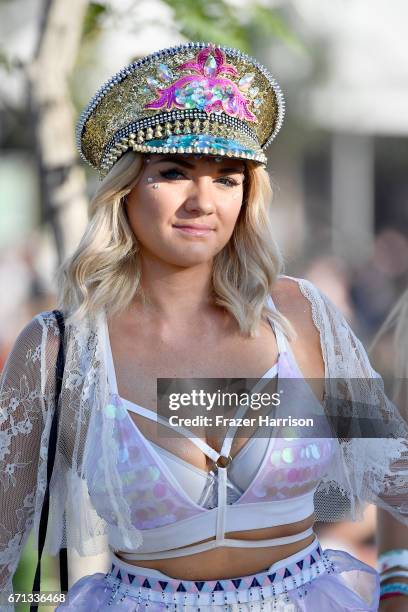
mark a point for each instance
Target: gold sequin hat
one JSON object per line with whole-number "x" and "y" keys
{"x": 196, "y": 98}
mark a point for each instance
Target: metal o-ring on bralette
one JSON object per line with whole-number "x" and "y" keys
{"x": 223, "y": 461}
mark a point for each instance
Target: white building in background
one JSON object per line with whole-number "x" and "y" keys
{"x": 362, "y": 94}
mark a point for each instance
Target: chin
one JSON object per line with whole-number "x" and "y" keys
{"x": 189, "y": 262}
{"x": 185, "y": 260}
{"x": 187, "y": 254}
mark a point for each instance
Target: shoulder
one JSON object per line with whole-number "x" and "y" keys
{"x": 291, "y": 298}
{"x": 36, "y": 327}
{"x": 39, "y": 334}
{"x": 33, "y": 348}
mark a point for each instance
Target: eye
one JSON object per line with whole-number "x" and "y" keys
{"x": 172, "y": 174}
{"x": 228, "y": 181}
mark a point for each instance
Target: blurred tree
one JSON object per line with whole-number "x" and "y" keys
{"x": 62, "y": 180}
{"x": 226, "y": 23}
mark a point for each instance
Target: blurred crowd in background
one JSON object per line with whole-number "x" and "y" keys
{"x": 338, "y": 166}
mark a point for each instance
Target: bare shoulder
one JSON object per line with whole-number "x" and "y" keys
{"x": 291, "y": 302}
{"x": 24, "y": 358}
{"x": 31, "y": 334}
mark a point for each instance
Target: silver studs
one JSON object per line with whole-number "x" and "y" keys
{"x": 156, "y": 186}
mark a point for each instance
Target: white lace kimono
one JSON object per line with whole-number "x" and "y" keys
{"x": 364, "y": 470}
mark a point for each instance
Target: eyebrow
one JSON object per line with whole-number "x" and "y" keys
{"x": 186, "y": 164}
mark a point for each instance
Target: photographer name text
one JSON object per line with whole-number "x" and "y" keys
{"x": 223, "y": 421}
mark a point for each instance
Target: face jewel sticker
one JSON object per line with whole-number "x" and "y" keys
{"x": 205, "y": 85}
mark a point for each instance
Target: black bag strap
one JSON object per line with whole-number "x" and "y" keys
{"x": 63, "y": 558}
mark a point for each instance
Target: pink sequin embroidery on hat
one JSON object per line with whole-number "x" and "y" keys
{"x": 204, "y": 88}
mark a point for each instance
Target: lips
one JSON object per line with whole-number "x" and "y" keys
{"x": 194, "y": 230}
{"x": 196, "y": 227}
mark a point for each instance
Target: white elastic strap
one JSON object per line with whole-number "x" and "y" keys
{"x": 108, "y": 355}
{"x": 211, "y": 544}
{"x": 153, "y": 416}
{"x": 280, "y": 336}
{"x": 222, "y": 502}
{"x": 229, "y": 436}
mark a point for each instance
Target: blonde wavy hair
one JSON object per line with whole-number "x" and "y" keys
{"x": 105, "y": 269}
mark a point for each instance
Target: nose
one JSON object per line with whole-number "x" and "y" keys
{"x": 200, "y": 196}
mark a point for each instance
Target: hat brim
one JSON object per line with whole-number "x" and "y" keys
{"x": 203, "y": 144}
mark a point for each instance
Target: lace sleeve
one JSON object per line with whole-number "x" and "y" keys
{"x": 367, "y": 469}
{"x": 25, "y": 401}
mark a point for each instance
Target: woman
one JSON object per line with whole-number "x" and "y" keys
{"x": 195, "y": 522}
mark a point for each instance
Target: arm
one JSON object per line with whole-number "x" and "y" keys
{"x": 367, "y": 469}
{"x": 392, "y": 535}
{"x": 23, "y": 419}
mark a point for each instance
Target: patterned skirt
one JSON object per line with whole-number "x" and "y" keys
{"x": 311, "y": 580}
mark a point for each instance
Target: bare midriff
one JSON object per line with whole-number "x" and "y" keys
{"x": 230, "y": 562}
